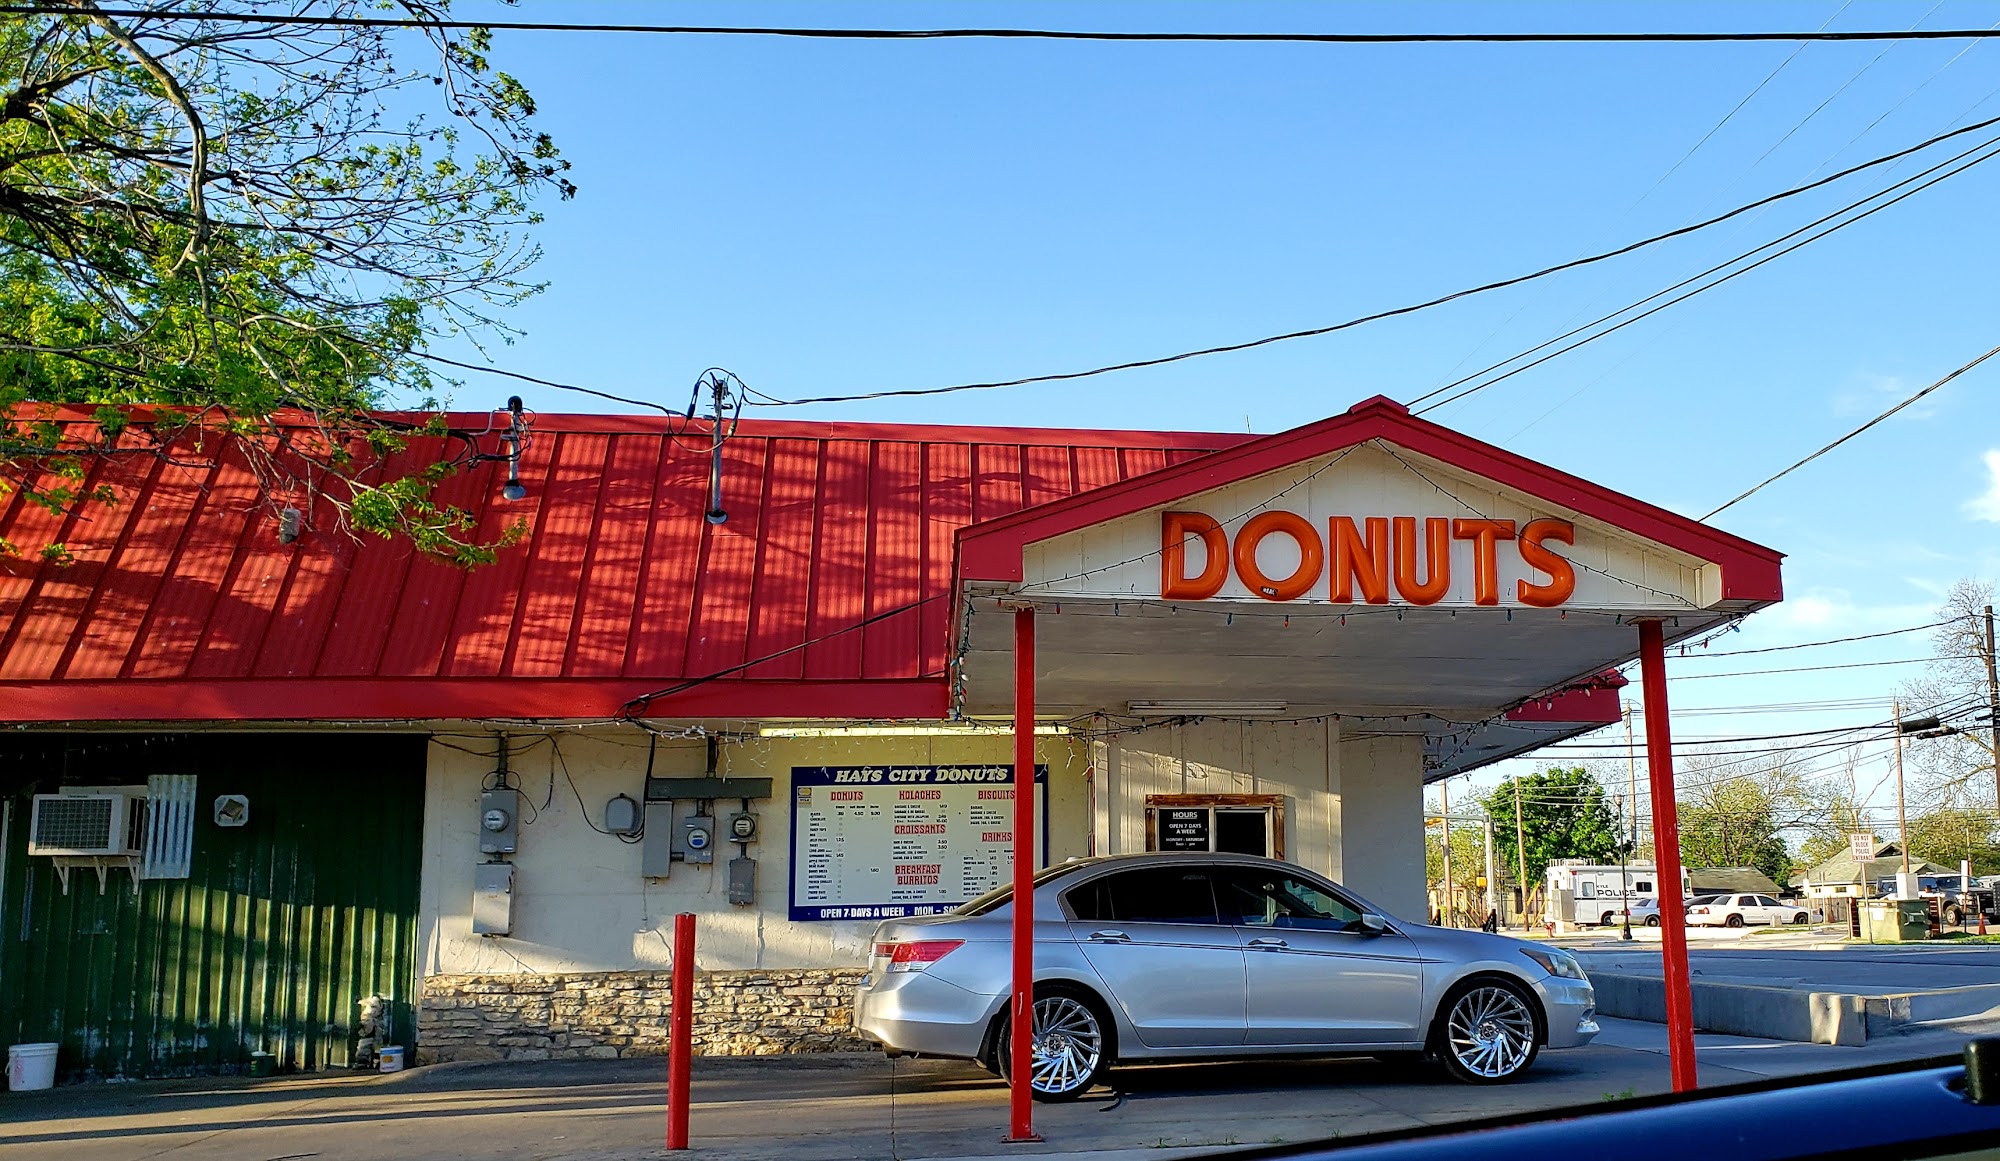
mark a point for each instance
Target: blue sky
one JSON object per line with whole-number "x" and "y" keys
{"x": 834, "y": 217}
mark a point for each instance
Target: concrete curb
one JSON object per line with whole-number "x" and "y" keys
{"x": 1888, "y": 1014}
{"x": 1742, "y": 1009}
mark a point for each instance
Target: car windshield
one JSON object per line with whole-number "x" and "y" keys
{"x": 999, "y": 896}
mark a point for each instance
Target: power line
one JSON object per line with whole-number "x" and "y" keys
{"x": 1814, "y": 644}
{"x": 1703, "y": 289}
{"x": 1362, "y": 38}
{"x": 1821, "y": 668}
{"x": 546, "y": 382}
{"x": 1313, "y": 332}
{"x": 1754, "y": 489}
{"x": 1727, "y": 117}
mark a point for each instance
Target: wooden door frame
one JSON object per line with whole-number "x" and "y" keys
{"x": 1275, "y": 803}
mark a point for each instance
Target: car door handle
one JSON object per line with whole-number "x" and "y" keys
{"x": 1109, "y": 937}
{"x": 1273, "y": 943}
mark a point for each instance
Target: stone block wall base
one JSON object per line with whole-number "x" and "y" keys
{"x": 605, "y": 1015}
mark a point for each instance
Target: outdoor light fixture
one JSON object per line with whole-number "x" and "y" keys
{"x": 1204, "y": 708}
{"x": 516, "y": 435}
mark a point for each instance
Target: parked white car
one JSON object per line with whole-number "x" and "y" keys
{"x": 1743, "y": 910}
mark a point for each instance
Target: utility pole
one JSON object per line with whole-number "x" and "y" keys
{"x": 1492, "y": 882}
{"x": 1632, "y": 774}
{"x": 1444, "y": 809}
{"x": 1902, "y": 820}
{"x": 1624, "y": 882}
{"x": 1992, "y": 707}
{"x": 1631, "y": 845}
{"x": 1521, "y": 851}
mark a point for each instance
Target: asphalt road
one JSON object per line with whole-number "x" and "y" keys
{"x": 835, "y": 1108}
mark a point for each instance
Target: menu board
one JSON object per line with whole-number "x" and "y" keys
{"x": 883, "y": 842}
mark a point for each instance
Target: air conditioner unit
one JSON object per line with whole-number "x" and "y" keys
{"x": 94, "y": 823}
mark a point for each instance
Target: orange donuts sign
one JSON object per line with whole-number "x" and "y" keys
{"x": 1357, "y": 562}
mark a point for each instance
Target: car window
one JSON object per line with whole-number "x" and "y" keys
{"x": 1146, "y": 895}
{"x": 1767, "y": 901}
{"x": 1255, "y": 897}
{"x": 1585, "y": 889}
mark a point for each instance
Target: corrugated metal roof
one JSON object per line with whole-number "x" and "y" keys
{"x": 620, "y": 586}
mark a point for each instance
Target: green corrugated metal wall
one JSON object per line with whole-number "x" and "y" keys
{"x": 279, "y": 930}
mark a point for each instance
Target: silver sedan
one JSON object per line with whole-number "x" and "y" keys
{"x": 1199, "y": 956}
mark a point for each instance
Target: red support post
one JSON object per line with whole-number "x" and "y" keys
{"x": 1021, "y": 1107}
{"x": 1667, "y": 856}
{"x": 680, "y": 1033}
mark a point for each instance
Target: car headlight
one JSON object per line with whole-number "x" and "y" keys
{"x": 1556, "y": 962}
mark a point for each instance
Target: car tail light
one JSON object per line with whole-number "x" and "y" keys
{"x": 916, "y": 957}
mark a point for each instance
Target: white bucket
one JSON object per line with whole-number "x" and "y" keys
{"x": 31, "y": 1066}
{"x": 391, "y": 1060}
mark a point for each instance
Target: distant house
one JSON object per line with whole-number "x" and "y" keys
{"x": 1730, "y": 881}
{"x": 1842, "y": 876}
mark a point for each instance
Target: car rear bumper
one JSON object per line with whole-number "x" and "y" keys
{"x": 915, "y": 1012}
{"x": 1571, "y": 1008}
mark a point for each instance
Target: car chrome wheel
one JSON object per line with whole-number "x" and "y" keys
{"x": 1065, "y": 1051}
{"x": 1490, "y": 1033}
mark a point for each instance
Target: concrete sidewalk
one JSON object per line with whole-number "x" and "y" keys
{"x": 839, "y": 1108}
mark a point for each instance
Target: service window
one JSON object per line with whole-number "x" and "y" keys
{"x": 1237, "y": 824}
{"x": 1146, "y": 895}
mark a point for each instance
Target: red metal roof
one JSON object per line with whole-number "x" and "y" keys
{"x": 182, "y": 604}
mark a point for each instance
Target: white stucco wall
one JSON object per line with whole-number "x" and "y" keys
{"x": 1353, "y": 806}
{"x": 1217, "y": 757}
{"x": 580, "y": 904}
{"x": 1382, "y": 816}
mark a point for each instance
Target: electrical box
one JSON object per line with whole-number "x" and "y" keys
{"x": 743, "y": 880}
{"x": 492, "y": 898}
{"x": 621, "y": 816}
{"x": 699, "y": 839}
{"x": 499, "y": 827}
{"x": 656, "y": 850}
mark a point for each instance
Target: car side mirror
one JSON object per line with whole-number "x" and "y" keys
{"x": 1373, "y": 924}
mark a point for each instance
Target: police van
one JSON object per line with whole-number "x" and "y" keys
{"x": 1582, "y": 892}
